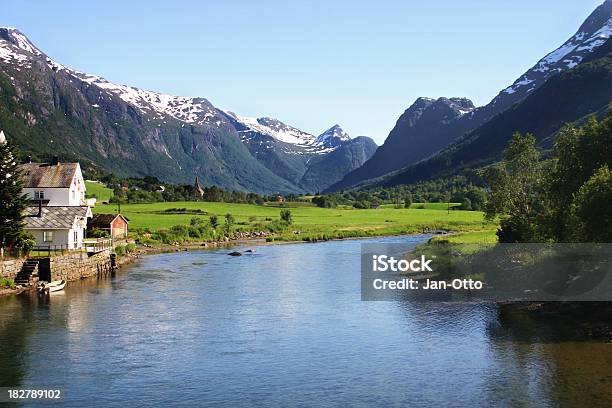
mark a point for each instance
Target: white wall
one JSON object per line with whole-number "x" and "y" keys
{"x": 56, "y": 196}
{"x": 70, "y": 197}
{"x": 63, "y": 237}
{"x": 60, "y": 237}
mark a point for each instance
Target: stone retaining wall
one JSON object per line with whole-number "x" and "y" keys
{"x": 10, "y": 269}
{"x": 75, "y": 266}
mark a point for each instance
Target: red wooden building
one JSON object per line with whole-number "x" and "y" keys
{"x": 115, "y": 224}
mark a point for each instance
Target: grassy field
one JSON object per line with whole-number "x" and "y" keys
{"x": 98, "y": 189}
{"x": 309, "y": 220}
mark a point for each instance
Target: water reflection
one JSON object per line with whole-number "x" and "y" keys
{"x": 285, "y": 326}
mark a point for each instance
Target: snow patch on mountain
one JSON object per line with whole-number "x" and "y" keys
{"x": 596, "y": 30}
{"x": 274, "y": 128}
{"x": 332, "y": 137}
{"x": 17, "y": 50}
{"x": 190, "y": 110}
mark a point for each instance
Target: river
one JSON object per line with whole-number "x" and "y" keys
{"x": 284, "y": 326}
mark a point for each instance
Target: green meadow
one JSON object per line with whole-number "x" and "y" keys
{"x": 98, "y": 190}
{"x": 307, "y": 219}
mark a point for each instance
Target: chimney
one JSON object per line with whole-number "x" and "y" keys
{"x": 55, "y": 161}
{"x": 39, "y": 208}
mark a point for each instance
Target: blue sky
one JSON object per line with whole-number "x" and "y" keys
{"x": 309, "y": 63}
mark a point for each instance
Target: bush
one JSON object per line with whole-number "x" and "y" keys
{"x": 214, "y": 221}
{"x": 408, "y": 200}
{"x": 120, "y": 250}
{"x": 97, "y": 233}
{"x": 7, "y": 283}
{"x": 285, "y": 216}
{"x": 466, "y": 204}
{"x": 25, "y": 242}
{"x": 129, "y": 248}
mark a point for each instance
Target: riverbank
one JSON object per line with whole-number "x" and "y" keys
{"x": 147, "y": 249}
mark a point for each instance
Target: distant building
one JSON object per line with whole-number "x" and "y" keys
{"x": 54, "y": 184}
{"x": 115, "y": 224}
{"x": 198, "y": 191}
{"x": 280, "y": 199}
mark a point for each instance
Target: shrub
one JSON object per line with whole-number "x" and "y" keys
{"x": 285, "y": 216}
{"x": 120, "y": 250}
{"x": 97, "y": 233}
{"x": 214, "y": 221}
{"x": 7, "y": 283}
{"x": 129, "y": 248}
{"x": 466, "y": 204}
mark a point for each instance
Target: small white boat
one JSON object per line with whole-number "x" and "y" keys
{"x": 54, "y": 286}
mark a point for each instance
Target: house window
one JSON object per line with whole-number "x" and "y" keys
{"x": 76, "y": 239}
{"x": 47, "y": 236}
{"x": 39, "y": 195}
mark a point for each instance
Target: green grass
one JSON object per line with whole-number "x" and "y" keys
{"x": 7, "y": 283}
{"x": 477, "y": 237}
{"x": 98, "y": 189}
{"x": 310, "y": 221}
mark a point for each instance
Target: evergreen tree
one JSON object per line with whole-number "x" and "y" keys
{"x": 12, "y": 200}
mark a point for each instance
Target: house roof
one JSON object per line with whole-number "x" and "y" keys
{"x": 104, "y": 220}
{"x": 38, "y": 175}
{"x": 54, "y": 217}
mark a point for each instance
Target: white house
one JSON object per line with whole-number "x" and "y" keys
{"x": 58, "y": 213}
{"x": 57, "y": 227}
{"x": 55, "y": 183}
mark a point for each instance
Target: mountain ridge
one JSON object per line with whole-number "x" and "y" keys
{"x": 405, "y": 146}
{"x": 51, "y": 109}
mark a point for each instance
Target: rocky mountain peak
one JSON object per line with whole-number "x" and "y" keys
{"x": 332, "y": 137}
{"x": 593, "y": 33}
{"x": 16, "y": 38}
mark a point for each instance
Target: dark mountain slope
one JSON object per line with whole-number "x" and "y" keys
{"x": 565, "y": 98}
{"x": 410, "y": 141}
{"x": 326, "y": 170}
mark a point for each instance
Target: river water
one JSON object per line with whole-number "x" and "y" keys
{"x": 284, "y": 326}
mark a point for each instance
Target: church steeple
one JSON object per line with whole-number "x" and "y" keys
{"x": 197, "y": 189}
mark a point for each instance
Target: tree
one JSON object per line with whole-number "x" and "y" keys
{"x": 591, "y": 212}
{"x": 229, "y": 222}
{"x": 214, "y": 221}
{"x": 408, "y": 200}
{"x": 466, "y": 204}
{"x": 518, "y": 192}
{"x": 477, "y": 198}
{"x": 578, "y": 153}
{"x": 285, "y": 216}
{"x": 12, "y": 200}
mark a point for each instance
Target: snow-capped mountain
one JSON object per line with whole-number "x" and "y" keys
{"x": 332, "y": 137}
{"x": 418, "y": 135}
{"x": 131, "y": 131}
{"x": 327, "y": 141}
{"x": 199, "y": 111}
{"x": 273, "y": 128}
{"x": 593, "y": 33}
